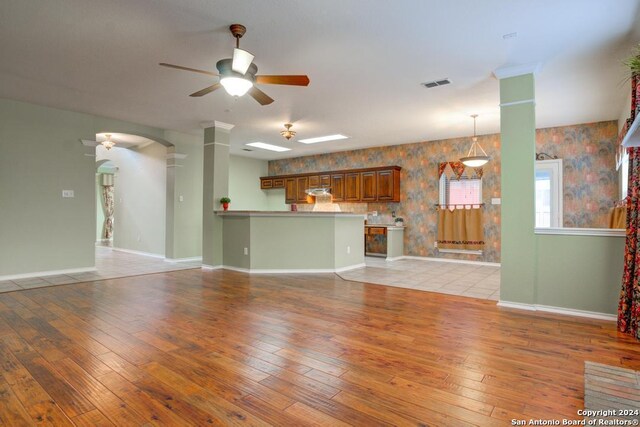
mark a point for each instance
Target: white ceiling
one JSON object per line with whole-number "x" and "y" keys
{"x": 365, "y": 59}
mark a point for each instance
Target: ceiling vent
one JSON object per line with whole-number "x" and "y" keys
{"x": 436, "y": 83}
{"x": 247, "y": 149}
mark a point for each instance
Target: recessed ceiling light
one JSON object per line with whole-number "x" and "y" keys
{"x": 323, "y": 139}
{"x": 269, "y": 147}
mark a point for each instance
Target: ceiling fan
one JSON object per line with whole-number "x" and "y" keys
{"x": 238, "y": 74}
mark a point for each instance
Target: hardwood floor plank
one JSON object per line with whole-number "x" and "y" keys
{"x": 93, "y": 418}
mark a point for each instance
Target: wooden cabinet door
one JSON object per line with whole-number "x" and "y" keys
{"x": 290, "y": 190}
{"x": 266, "y": 183}
{"x": 314, "y": 181}
{"x": 337, "y": 187}
{"x": 302, "y": 184}
{"x": 352, "y": 187}
{"x": 325, "y": 181}
{"x": 278, "y": 183}
{"x": 389, "y": 186}
{"x": 368, "y": 191}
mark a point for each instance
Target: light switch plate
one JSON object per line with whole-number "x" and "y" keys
{"x": 67, "y": 194}
{"x": 496, "y": 201}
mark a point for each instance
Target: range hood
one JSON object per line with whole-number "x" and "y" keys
{"x": 318, "y": 191}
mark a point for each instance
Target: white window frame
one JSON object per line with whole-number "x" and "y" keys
{"x": 555, "y": 166}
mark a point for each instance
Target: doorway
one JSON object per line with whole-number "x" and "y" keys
{"x": 548, "y": 192}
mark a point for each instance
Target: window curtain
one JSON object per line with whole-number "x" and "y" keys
{"x": 629, "y": 305}
{"x": 108, "y": 200}
{"x": 460, "y": 229}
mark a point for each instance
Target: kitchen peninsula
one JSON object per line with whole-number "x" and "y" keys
{"x": 281, "y": 242}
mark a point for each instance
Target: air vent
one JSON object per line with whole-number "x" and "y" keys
{"x": 436, "y": 83}
{"x": 247, "y": 149}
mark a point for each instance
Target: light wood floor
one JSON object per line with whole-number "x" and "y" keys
{"x": 223, "y": 348}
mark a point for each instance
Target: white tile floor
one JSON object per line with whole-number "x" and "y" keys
{"x": 477, "y": 281}
{"x": 110, "y": 264}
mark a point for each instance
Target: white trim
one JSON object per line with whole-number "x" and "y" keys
{"x": 523, "y": 101}
{"x": 395, "y": 258}
{"x": 455, "y": 261}
{"x": 176, "y": 156}
{"x": 48, "y": 273}
{"x": 285, "y": 270}
{"x": 216, "y": 143}
{"x": 517, "y": 70}
{"x": 131, "y": 251}
{"x": 192, "y": 259}
{"x": 460, "y": 251}
{"x": 558, "y": 310}
{"x": 560, "y": 231}
{"x": 211, "y": 267}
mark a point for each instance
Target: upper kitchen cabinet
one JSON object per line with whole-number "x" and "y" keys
{"x": 337, "y": 187}
{"x": 388, "y": 185}
{"x": 381, "y": 184}
{"x": 352, "y": 187}
{"x": 368, "y": 192}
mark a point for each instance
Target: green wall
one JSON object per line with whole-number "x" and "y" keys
{"x": 41, "y": 155}
{"x": 579, "y": 272}
{"x": 244, "y": 184}
{"x": 567, "y": 271}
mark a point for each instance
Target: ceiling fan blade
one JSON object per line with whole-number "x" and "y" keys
{"x": 206, "y": 90}
{"x": 241, "y": 60}
{"x": 283, "y": 80}
{"x": 260, "y": 96}
{"x": 195, "y": 70}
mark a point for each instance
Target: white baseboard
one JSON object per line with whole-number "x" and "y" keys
{"x": 131, "y": 251}
{"x": 48, "y": 273}
{"x": 456, "y": 261}
{"x": 395, "y": 258}
{"x": 192, "y": 259}
{"x": 558, "y": 310}
{"x": 284, "y": 270}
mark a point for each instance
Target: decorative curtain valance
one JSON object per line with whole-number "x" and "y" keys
{"x": 457, "y": 169}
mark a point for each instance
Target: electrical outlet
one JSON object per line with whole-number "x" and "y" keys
{"x": 181, "y": 198}
{"x": 348, "y": 249}
{"x": 435, "y": 244}
{"x": 246, "y": 251}
{"x": 68, "y": 194}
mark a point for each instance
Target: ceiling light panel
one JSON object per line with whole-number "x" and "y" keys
{"x": 323, "y": 139}
{"x": 269, "y": 147}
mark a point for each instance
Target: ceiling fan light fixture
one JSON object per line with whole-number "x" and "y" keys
{"x": 236, "y": 86}
{"x": 473, "y": 159}
{"x": 108, "y": 143}
{"x": 288, "y": 133}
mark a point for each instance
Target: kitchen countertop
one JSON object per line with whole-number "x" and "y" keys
{"x": 387, "y": 226}
{"x": 290, "y": 214}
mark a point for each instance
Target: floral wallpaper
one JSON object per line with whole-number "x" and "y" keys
{"x": 590, "y": 180}
{"x": 589, "y": 170}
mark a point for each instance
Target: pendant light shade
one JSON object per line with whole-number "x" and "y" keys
{"x": 476, "y": 156}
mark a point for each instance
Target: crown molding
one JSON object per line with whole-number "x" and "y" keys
{"x": 517, "y": 70}
{"x": 176, "y": 156}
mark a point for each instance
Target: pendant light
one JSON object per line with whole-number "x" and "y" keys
{"x": 473, "y": 159}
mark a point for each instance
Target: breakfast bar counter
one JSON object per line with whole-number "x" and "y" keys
{"x": 283, "y": 242}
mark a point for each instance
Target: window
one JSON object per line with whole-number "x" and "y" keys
{"x": 548, "y": 193}
{"x": 624, "y": 175}
{"x": 463, "y": 191}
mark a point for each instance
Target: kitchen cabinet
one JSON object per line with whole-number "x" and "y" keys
{"x": 302, "y": 184}
{"x": 352, "y": 187}
{"x": 388, "y": 185}
{"x": 368, "y": 191}
{"x": 379, "y": 184}
{"x": 266, "y": 184}
{"x": 337, "y": 187}
{"x": 290, "y": 190}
